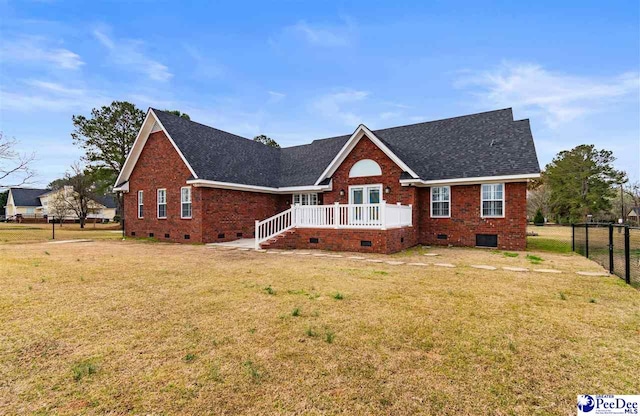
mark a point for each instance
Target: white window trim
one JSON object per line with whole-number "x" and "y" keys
{"x": 431, "y": 200}
{"x": 367, "y": 185}
{"x": 293, "y": 198}
{"x": 365, "y": 167}
{"x": 190, "y": 202}
{"x": 504, "y": 204}
{"x": 140, "y": 204}
{"x": 158, "y": 203}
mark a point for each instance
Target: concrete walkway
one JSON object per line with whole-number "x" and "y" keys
{"x": 248, "y": 243}
{"x": 241, "y": 243}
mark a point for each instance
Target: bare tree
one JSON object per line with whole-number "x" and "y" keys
{"x": 633, "y": 190}
{"x": 81, "y": 198}
{"x": 59, "y": 206}
{"x": 15, "y": 168}
{"x": 539, "y": 199}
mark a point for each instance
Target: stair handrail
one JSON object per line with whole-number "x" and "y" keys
{"x": 272, "y": 226}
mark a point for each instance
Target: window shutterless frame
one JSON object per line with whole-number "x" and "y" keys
{"x": 492, "y": 189}
{"x": 305, "y": 199}
{"x": 140, "y": 204}
{"x": 185, "y": 202}
{"x": 442, "y": 196}
{"x": 162, "y": 203}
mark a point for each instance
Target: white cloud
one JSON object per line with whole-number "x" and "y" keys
{"x": 558, "y": 97}
{"x": 129, "y": 54}
{"x": 387, "y": 115}
{"x": 39, "y": 50}
{"x": 275, "y": 96}
{"x": 321, "y": 36}
{"x": 331, "y": 106}
{"x": 204, "y": 66}
{"x": 341, "y": 34}
{"x": 34, "y": 95}
{"x": 54, "y": 87}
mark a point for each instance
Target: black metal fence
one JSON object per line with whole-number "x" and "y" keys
{"x": 615, "y": 247}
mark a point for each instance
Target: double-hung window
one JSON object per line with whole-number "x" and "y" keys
{"x": 440, "y": 202}
{"x": 140, "y": 204}
{"x": 162, "y": 203}
{"x": 185, "y": 202}
{"x": 492, "y": 198}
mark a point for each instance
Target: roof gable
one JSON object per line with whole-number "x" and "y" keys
{"x": 27, "y": 197}
{"x": 362, "y": 131}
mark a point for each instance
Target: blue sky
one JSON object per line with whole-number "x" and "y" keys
{"x": 297, "y": 71}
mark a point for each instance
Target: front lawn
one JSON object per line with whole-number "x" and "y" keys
{"x": 152, "y": 328}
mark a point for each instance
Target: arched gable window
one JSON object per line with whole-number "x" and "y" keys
{"x": 365, "y": 167}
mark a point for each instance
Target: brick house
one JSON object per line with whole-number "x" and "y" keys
{"x": 459, "y": 181}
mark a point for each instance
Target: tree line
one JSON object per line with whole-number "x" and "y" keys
{"x": 581, "y": 185}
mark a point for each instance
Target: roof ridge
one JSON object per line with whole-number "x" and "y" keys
{"x": 447, "y": 118}
{"x": 29, "y": 188}
{"x": 209, "y": 127}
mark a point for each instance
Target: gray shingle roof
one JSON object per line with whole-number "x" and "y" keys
{"x": 476, "y": 145}
{"x": 27, "y": 197}
{"x": 107, "y": 200}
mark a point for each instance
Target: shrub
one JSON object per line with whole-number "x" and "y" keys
{"x": 84, "y": 368}
{"x": 338, "y": 296}
{"x": 252, "y": 370}
{"x": 538, "y": 219}
{"x": 329, "y": 336}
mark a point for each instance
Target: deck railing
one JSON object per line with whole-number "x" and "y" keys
{"x": 358, "y": 216}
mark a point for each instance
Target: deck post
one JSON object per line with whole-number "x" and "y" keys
{"x": 383, "y": 214}
{"x": 411, "y": 216}
{"x": 336, "y": 214}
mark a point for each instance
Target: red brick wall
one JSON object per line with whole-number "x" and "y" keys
{"x": 214, "y": 211}
{"x": 366, "y": 149}
{"x": 160, "y": 166}
{"x": 465, "y": 221}
{"x": 232, "y": 212}
{"x": 382, "y": 241}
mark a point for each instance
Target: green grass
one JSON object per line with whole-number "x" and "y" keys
{"x": 548, "y": 244}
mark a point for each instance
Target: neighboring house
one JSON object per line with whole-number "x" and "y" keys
{"x": 459, "y": 181}
{"x": 634, "y": 215}
{"x": 25, "y": 201}
{"x": 38, "y": 204}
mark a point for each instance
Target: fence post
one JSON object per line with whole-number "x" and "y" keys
{"x": 53, "y": 228}
{"x": 586, "y": 240}
{"x": 611, "y": 248}
{"x": 627, "y": 261}
{"x": 573, "y": 237}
